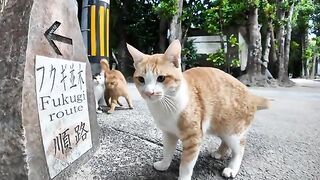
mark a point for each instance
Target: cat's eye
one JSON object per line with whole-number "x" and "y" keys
{"x": 141, "y": 79}
{"x": 161, "y": 78}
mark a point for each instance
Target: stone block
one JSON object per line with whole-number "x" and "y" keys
{"x": 22, "y": 27}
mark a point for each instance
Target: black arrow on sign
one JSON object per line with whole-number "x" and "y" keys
{"x": 49, "y": 34}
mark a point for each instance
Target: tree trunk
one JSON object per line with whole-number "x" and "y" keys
{"x": 281, "y": 40}
{"x": 314, "y": 60}
{"x": 265, "y": 57}
{"x": 175, "y": 25}
{"x": 221, "y": 41}
{"x": 304, "y": 45}
{"x": 184, "y": 37}
{"x": 284, "y": 75}
{"x": 122, "y": 36}
{"x": 228, "y": 61}
{"x": 162, "y": 34}
{"x": 273, "y": 67}
{"x": 254, "y": 44}
{"x": 254, "y": 67}
{"x": 308, "y": 70}
{"x": 254, "y": 76}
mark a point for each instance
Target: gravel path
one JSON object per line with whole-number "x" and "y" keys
{"x": 283, "y": 142}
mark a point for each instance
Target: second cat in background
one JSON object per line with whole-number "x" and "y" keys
{"x": 115, "y": 86}
{"x": 99, "y": 90}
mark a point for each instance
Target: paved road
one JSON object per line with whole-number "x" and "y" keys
{"x": 283, "y": 143}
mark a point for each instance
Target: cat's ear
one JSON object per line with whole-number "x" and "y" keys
{"x": 135, "y": 53}
{"x": 173, "y": 53}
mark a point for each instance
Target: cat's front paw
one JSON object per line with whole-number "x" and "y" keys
{"x": 229, "y": 173}
{"x": 161, "y": 166}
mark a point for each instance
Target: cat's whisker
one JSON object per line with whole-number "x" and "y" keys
{"x": 163, "y": 104}
{"x": 170, "y": 104}
{"x": 168, "y": 108}
{"x": 166, "y": 105}
{"x": 171, "y": 107}
{"x": 169, "y": 99}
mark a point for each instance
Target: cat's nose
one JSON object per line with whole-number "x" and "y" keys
{"x": 149, "y": 93}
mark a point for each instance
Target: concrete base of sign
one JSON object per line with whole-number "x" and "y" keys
{"x": 22, "y": 28}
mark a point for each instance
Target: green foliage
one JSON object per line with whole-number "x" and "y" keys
{"x": 166, "y": 8}
{"x": 134, "y": 22}
{"x": 315, "y": 17}
{"x": 194, "y": 13}
{"x": 137, "y": 22}
{"x": 308, "y": 54}
{"x": 189, "y": 54}
{"x": 312, "y": 49}
{"x": 269, "y": 10}
{"x": 294, "y": 45}
{"x": 225, "y": 13}
{"x": 235, "y": 63}
{"x": 304, "y": 11}
{"x": 218, "y": 16}
{"x": 253, "y": 3}
{"x": 217, "y": 58}
{"x": 233, "y": 41}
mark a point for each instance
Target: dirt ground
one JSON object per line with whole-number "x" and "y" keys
{"x": 283, "y": 142}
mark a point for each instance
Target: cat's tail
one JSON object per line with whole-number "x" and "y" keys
{"x": 261, "y": 102}
{"x": 104, "y": 65}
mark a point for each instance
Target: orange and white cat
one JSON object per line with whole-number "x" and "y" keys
{"x": 189, "y": 105}
{"x": 116, "y": 86}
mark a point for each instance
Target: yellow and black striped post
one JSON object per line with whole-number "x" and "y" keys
{"x": 98, "y": 36}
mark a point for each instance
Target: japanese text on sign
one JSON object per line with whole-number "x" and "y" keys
{"x": 63, "y": 111}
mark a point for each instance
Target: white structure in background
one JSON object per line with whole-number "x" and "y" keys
{"x": 208, "y": 44}
{"x": 243, "y": 52}
{"x": 211, "y": 44}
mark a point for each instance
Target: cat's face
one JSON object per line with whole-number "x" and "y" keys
{"x": 158, "y": 75}
{"x": 98, "y": 79}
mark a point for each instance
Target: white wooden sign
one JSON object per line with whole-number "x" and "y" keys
{"x": 63, "y": 111}
{"x": 208, "y": 44}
